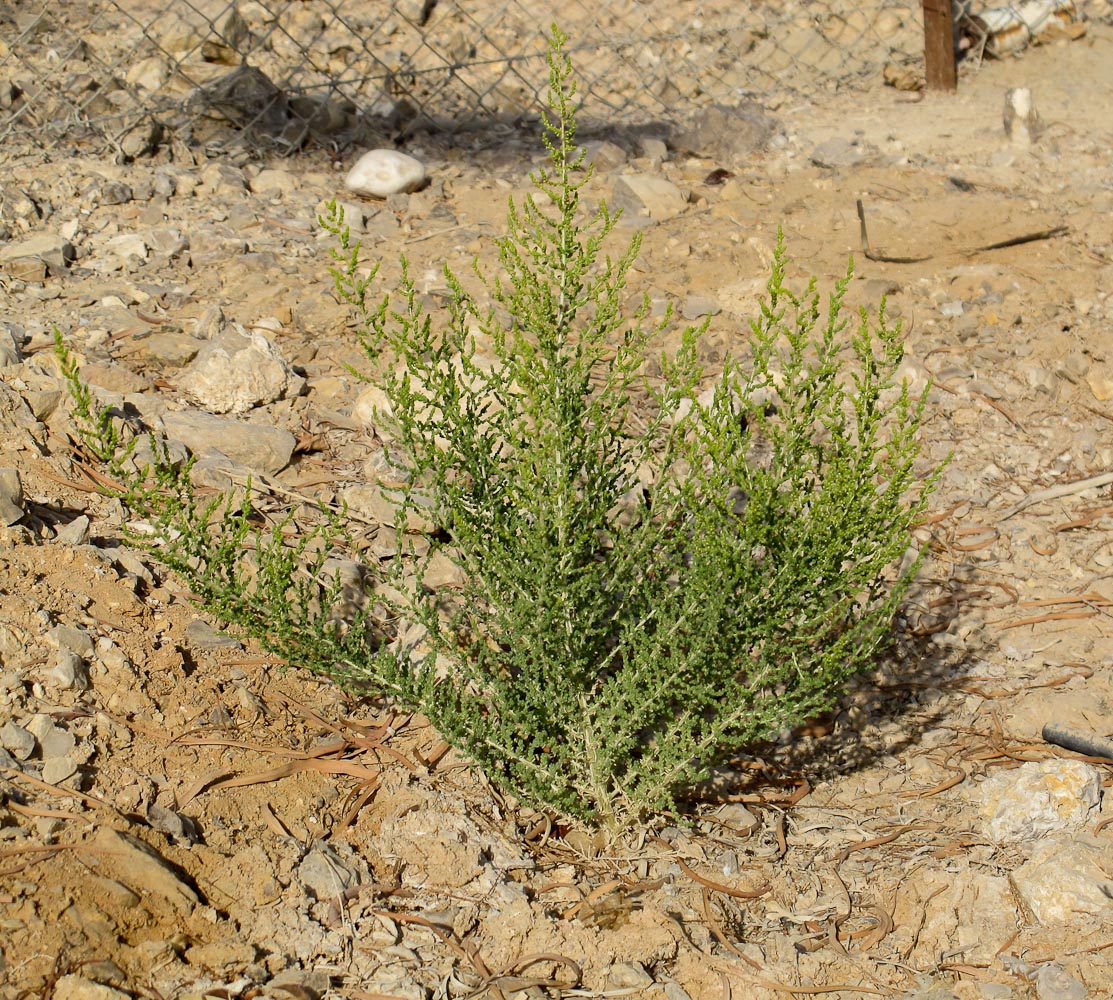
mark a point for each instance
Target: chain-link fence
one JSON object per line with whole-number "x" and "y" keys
{"x": 282, "y": 73}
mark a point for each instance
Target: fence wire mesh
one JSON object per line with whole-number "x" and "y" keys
{"x": 126, "y": 73}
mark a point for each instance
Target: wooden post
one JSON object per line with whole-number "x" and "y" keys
{"x": 939, "y": 45}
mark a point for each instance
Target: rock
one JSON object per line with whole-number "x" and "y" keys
{"x": 203, "y": 636}
{"x": 1038, "y": 798}
{"x": 67, "y": 671}
{"x": 724, "y": 133}
{"x": 76, "y": 532}
{"x": 603, "y": 156}
{"x": 11, "y": 497}
{"x": 174, "y": 349}
{"x": 256, "y": 446}
{"x": 46, "y": 252}
{"x": 383, "y": 172}
{"x": 649, "y": 196}
{"x": 177, "y": 826}
{"x": 697, "y": 306}
{"x": 167, "y": 242}
{"x": 1101, "y": 383}
{"x": 76, "y": 640}
{"x": 653, "y": 149}
{"x": 272, "y": 181}
{"x": 58, "y": 769}
{"x": 19, "y": 742}
{"x": 372, "y": 410}
{"x": 417, "y": 11}
{"x": 148, "y": 74}
{"x": 840, "y": 152}
{"x": 628, "y": 976}
{"x": 111, "y": 193}
{"x": 237, "y": 371}
{"x": 74, "y": 987}
{"x": 124, "y": 246}
{"x": 324, "y": 874}
{"x": 308, "y": 984}
{"x": 9, "y": 348}
{"x": 1052, "y": 983}
{"x": 141, "y": 868}
{"x": 57, "y": 742}
{"x": 1065, "y": 880}
{"x": 1021, "y": 120}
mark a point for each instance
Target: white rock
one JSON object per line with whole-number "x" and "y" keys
{"x": 1038, "y": 798}
{"x": 384, "y": 172}
{"x": 1064, "y": 880}
{"x": 237, "y": 371}
{"x": 372, "y": 409}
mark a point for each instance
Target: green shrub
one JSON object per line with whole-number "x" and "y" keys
{"x": 654, "y": 574}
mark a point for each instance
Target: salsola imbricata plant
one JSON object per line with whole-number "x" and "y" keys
{"x": 654, "y": 572}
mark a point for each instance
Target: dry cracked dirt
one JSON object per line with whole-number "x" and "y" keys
{"x": 181, "y": 816}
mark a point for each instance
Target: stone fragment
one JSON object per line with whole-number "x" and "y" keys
{"x": 168, "y": 242}
{"x": 76, "y": 532}
{"x": 203, "y": 636}
{"x": 9, "y": 348}
{"x": 70, "y": 637}
{"x": 697, "y": 306}
{"x": 300, "y": 982}
{"x": 67, "y": 672}
{"x": 603, "y": 156}
{"x": 1067, "y": 880}
{"x": 648, "y": 195}
{"x": 49, "y": 251}
{"x": 58, "y": 769}
{"x": 628, "y": 977}
{"x": 324, "y": 874}
{"x": 141, "y": 868}
{"x": 256, "y": 446}
{"x": 126, "y": 245}
{"x": 75, "y": 987}
{"x": 383, "y": 172}
{"x": 19, "y": 742}
{"x": 273, "y": 181}
{"x": 57, "y": 742}
{"x": 725, "y": 133}
{"x": 237, "y": 371}
{"x": 148, "y": 74}
{"x": 222, "y": 957}
{"x": 1038, "y": 798}
{"x": 1052, "y": 983}
{"x": 174, "y": 349}
{"x": 11, "y": 497}
{"x": 1100, "y": 381}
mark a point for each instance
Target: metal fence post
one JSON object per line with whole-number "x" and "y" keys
{"x": 939, "y": 45}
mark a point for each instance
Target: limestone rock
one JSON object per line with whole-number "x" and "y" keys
{"x": 647, "y": 195}
{"x": 267, "y": 449}
{"x": 237, "y": 371}
{"x": 18, "y": 741}
{"x": 1038, "y": 798}
{"x": 74, "y": 987}
{"x": 1065, "y": 880}
{"x": 141, "y": 868}
{"x": 42, "y": 254}
{"x": 383, "y": 172}
{"x": 11, "y": 496}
